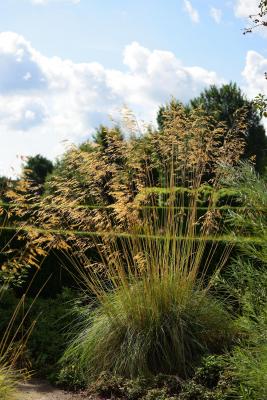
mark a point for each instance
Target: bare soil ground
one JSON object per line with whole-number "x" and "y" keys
{"x": 40, "y": 390}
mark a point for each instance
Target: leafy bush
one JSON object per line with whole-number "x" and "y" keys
{"x": 70, "y": 377}
{"x": 195, "y": 391}
{"x": 246, "y": 366}
{"x": 251, "y": 220}
{"x": 209, "y": 373}
{"x": 158, "y": 394}
{"x": 248, "y": 362}
{"x": 245, "y": 283}
{"x": 49, "y": 337}
{"x": 206, "y": 384}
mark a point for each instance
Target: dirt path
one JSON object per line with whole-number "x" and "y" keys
{"x": 40, "y": 390}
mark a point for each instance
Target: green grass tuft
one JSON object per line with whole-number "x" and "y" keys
{"x": 151, "y": 329}
{"x": 8, "y": 381}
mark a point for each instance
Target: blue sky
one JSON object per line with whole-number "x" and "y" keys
{"x": 65, "y": 65}
{"x": 94, "y": 30}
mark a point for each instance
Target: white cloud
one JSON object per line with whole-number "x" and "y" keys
{"x": 244, "y": 8}
{"x": 253, "y": 73}
{"x": 192, "y": 12}
{"x": 44, "y": 101}
{"x": 216, "y": 14}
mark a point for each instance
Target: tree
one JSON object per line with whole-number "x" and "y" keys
{"x": 223, "y": 103}
{"x": 3, "y": 184}
{"x": 166, "y": 112}
{"x": 37, "y": 168}
{"x": 104, "y": 135}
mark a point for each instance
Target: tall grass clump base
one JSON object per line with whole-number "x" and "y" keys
{"x": 153, "y": 312}
{"x": 8, "y": 382}
{"x": 161, "y": 329}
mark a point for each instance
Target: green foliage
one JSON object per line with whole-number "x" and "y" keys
{"x": 157, "y": 394}
{"x": 4, "y": 183}
{"x": 247, "y": 365}
{"x": 49, "y": 337}
{"x": 224, "y": 102}
{"x": 163, "y": 387}
{"x": 7, "y": 305}
{"x": 37, "y": 168}
{"x": 195, "y": 391}
{"x": 110, "y": 386}
{"x": 208, "y": 374}
{"x": 244, "y": 283}
{"x": 8, "y": 382}
{"x": 48, "y": 340}
{"x": 70, "y": 377}
{"x": 167, "y": 112}
{"x": 260, "y": 103}
{"x": 103, "y": 137}
{"x": 252, "y": 219}
{"x": 248, "y": 362}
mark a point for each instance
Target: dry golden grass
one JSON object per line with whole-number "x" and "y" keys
{"x": 117, "y": 178}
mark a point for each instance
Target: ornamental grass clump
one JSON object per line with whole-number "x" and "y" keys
{"x": 153, "y": 311}
{"x": 163, "y": 328}
{"x": 127, "y": 211}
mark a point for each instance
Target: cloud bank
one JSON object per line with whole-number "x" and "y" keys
{"x": 253, "y": 73}
{"x": 45, "y": 101}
